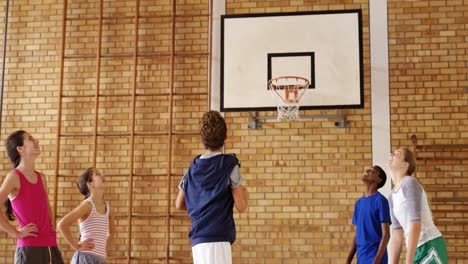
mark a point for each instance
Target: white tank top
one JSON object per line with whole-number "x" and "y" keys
{"x": 96, "y": 227}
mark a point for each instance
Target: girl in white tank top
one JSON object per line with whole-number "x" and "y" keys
{"x": 95, "y": 220}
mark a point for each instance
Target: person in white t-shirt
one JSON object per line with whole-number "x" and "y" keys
{"x": 411, "y": 215}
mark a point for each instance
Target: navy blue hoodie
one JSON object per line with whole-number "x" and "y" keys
{"x": 209, "y": 200}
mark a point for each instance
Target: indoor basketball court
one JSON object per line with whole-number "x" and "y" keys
{"x": 313, "y": 93}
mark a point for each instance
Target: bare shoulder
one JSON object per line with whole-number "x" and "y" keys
{"x": 12, "y": 173}
{"x": 12, "y": 178}
{"x": 86, "y": 204}
{"x": 80, "y": 214}
{"x": 10, "y": 186}
{"x": 84, "y": 210}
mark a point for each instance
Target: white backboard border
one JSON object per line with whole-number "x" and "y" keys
{"x": 332, "y": 39}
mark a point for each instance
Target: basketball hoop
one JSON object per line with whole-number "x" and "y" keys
{"x": 288, "y": 91}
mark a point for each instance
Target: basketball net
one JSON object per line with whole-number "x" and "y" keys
{"x": 288, "y": 90}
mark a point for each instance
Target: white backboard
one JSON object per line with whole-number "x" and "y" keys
{"x": 324, "y": 47}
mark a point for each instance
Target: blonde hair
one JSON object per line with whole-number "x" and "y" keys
{"x": 409, "y": 157}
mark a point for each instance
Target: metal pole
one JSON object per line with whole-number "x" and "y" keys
{"x": 5, "y": 31}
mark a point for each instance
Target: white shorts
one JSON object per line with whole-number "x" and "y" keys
{"x": 212, "y": 253}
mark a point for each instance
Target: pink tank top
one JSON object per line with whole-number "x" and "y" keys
{"x": 30, "y": 205}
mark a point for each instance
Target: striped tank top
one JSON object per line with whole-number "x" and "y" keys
{"x": 96, "y": 227}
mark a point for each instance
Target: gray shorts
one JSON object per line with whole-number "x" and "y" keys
{"x": 38, "y": 255}
{"x": 86, "y": 258}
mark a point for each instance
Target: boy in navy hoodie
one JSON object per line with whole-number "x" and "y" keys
{"x": 208, "y": 191}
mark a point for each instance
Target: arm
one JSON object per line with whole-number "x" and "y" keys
{"x": 239, "y": 192}
{"x": 414, "y": 232}
{"x": 383, "y": 243}
{"x": 180, "y": 201}
{"x": 11, "y": 184}
{"x": 395, "y": 243}
{"x": 81, "y": 212}
{"x": 241, "y": 198}
{"x": 413, "y": 191}
{"x": 352, "y": 251}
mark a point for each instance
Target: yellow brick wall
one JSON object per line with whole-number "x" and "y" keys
{"x": 30, "y": 87}
{"x": 428, "y": 86}
{"x": 303, "y": 177}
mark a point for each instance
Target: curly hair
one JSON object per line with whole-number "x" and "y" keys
{"x": 213, "y": 130}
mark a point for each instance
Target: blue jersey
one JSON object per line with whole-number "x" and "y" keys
{"x": 369, "y": 213}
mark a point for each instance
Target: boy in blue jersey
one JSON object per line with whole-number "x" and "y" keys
{"x": 208, "y": 191}
{"x": 372, "y": 220}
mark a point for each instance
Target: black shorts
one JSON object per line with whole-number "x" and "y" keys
{"x": 38, "y": 255}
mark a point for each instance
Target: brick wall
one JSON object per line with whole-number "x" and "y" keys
{"x": 428, "y": 86}
{"x": 303, "y": 177}
{"x": 30, "y": 87}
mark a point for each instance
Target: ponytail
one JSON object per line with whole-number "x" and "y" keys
{"x": 82, "y": 183}
{"x": 9, "y": 210}
{"x": 13, "y": 141}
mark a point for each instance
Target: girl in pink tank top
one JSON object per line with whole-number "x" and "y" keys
{"x": 24, "y": 191}
{"x": 94, "y": 217}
